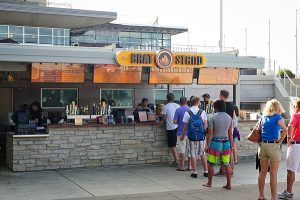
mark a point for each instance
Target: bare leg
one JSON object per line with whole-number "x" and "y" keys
{"x": 228, "y": 177}
{"x": 193, "y": 162}
{"x": 210, "y": 176}
{"x": 262, "y": 178}
{"x": 235, "y": 154}
{"x": 273, "y": 177}
{"x": 204, "y": 163}
{"x": 181, "y": 161}
{"x": 174, "y": 152}
{"x": 189, "y": 163}
{"x": 290, "y": 181}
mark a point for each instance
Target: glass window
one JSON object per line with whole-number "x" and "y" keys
{"x": 16, "y": 37}
{"x": 31, "y": 30}
{"x": 122, "y": 97}
{"x": 124, "y": 34}
{"x": 45, "y": 31}
{"x": 31, "y": 39}
{"x": 58, "y": 32}
{"x": 3, "y": 36}
{"x": 16, "y": 29}
{"x": 45, "y": 40}
{"x": 146, "y": 35}
{"x": 58, "y": 41}
{"x": 67, "y": 32}
{"x": 3, "y": 29}
{"x": 167, "y": 36}
{"x": 135, "y": 35}
{"x": 160, "y": 95}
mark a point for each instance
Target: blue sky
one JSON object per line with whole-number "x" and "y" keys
{"x": 201, "y": 17}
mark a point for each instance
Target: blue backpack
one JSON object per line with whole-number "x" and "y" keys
{"x": 196, "y": 130}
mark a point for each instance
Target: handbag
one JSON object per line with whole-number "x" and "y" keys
{"x": 255, "y": 133}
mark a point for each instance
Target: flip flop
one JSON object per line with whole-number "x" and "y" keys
{"x": 206, "y": 185}
{"x": 262, "y": 199}
{"x": 227, "y": 187}
{"x": 181, "y": 170}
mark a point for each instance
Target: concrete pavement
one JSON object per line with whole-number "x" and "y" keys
{"x": 131, "y": 182}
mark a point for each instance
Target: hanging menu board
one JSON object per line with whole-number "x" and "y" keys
{"x": 171, "y": 76}
{"x": 218, "y": 76}
{"x": 57, "y": 73}
{"x": 117, "y": 74}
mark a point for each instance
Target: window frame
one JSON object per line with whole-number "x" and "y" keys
{"x": 159, "y": 89}
{"x": 116, "y": 107}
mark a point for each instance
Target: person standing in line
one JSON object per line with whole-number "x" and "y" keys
{"x": 269, "y": 147}
{"x": 236, "y": 134}
{"x": 195, "y": 148}
{"x": 169, "y": 112}
{"x": 206, "y": 104}
{"x": 181, "y": 145}
{"x": 219, "y": 142}
{"x": 293, "y": 153}
{"x": 224, "y": 94}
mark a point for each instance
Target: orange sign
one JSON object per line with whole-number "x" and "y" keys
{"x": 219, "y": 76}
{"x": 171, "y": 76}
{"x": 57, "y": 73}
{"x": 116, "y": 74}
{"x": 162, "y": 59}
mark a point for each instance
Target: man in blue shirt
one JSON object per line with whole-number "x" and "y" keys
{"x": 178, "y": 117}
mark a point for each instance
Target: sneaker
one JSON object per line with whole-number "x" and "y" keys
{"x": 194, "y": 175}
{"x": 205, "y": 174}
{"x": 285, "y": 195}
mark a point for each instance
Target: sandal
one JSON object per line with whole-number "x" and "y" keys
{"x": 181, "y": 170}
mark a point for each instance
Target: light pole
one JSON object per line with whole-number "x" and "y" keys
{"x": 296, "y": 43}
{"x": 221, "y": 26}
{"x": 269, "y": 67}
{"x": 246, "y": 42}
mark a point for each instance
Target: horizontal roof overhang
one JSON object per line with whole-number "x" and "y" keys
{"x": 134, "y": 28}
{"x": 87, "y": 55}
{"x": 38, "y": 16}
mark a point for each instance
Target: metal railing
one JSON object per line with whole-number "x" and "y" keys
{"x": 287, "y": 81}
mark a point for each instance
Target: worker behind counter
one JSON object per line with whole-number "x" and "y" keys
{"x": 144, "y": 106}
{"x": 36, "y": 113}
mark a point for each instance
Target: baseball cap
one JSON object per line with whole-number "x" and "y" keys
{"x": 206, "y": 95}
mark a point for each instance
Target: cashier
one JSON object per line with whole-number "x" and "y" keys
{"x": 36, "y": 113}
{"x": 141, "y": 107}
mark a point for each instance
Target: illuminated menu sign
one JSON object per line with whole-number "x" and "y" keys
{"x": 218, "y": 76}
{"x": 117, "y": 74}
{"x": 57, "y": 73}
{"x": 162, "y": 59}
{"x": 171, "y": 76}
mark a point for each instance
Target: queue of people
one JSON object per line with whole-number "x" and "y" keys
{"x": 219, "y": 120}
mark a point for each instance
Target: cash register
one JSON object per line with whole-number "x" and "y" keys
{"x": 23, "y": 125}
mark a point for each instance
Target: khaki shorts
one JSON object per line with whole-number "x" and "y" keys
{"x": 269, "y": 151}
{"x": 181, "y": 145}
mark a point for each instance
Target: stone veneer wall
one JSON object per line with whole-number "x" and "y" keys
{"x": 101, "y": 146}
{"x": 89, "y": 147}
{"x": 246, "y": 149}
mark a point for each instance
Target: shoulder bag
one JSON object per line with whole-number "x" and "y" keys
{"x": 255, "y": 133}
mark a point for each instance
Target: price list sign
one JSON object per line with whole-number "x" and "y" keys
{"x": 111, "y": 73}
{"x": 57, "y": 73}
{"x": 218, "y": 76}
{"x": 171, "y": 76}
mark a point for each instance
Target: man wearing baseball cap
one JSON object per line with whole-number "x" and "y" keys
{"x": 206, "y": 104}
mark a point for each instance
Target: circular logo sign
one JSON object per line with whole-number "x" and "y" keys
{"x": 164, "y": 59}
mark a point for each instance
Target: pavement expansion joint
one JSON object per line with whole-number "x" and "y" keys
{"x": 76, "y": 184}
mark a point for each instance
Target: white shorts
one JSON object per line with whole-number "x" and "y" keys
{"x": 181, "y": 145}
{"x": 195, "y": 148}
{"x": 293, "y": 158}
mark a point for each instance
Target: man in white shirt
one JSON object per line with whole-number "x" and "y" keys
{"x": 169, "y": 112}
{"x": 195, "y": 148}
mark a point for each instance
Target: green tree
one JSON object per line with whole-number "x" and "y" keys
{"x": 287, "y": 71}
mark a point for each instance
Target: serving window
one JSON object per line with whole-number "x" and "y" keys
{"x": 118, "y": 98}
{"x": 160, "y": 95}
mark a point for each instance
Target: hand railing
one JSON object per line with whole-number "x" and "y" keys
{"x": 288, "y": 80}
